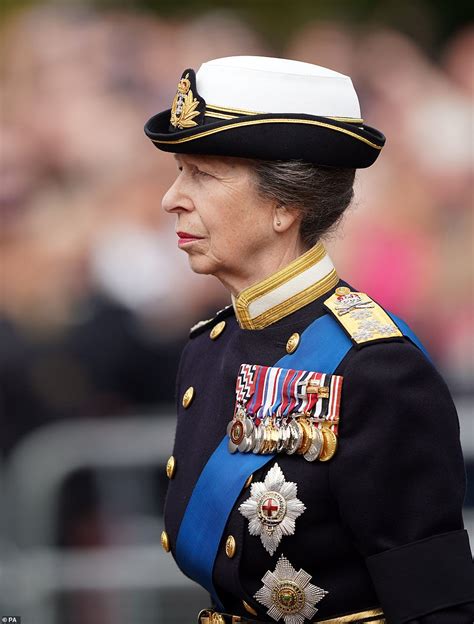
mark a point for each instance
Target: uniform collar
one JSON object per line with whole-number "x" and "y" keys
{"x": 308, "y": 277}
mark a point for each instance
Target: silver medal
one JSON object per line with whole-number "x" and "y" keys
{"x": 296, "y": 437}
{"x": 247, "y": 441}
{"x": 259, "y": 439}
{"x": 283, "y": 439}
{"x": 316, "y": 446}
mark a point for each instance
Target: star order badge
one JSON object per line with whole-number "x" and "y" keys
{"x": 272, "y": 508}
{"x": 288, "y": 594}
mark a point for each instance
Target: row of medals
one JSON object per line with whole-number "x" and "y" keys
{"x": 311, "y": 437}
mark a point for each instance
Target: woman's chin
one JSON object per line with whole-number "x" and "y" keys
{"x": 202, "y": 265}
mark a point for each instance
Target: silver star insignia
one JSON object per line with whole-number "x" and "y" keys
{"x": 272, "y": 508}
{"x": 288, "y": 594}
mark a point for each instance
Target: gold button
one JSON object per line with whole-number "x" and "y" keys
{"x": 293, "y": 342}
{"x": 170, "y": 467}
{"x": 216, "y": 618}
{"x": 188, "y": 396}
{"x": 217, "y": 330}
{"x": 249, "y": 481}
{"x": 343, "y": 290}
{"x": 230, "y": 546}
{"x": 248, "y": 608}
{"x": 165, "y": 542}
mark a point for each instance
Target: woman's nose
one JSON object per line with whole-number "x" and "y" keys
{"x": 176, "y": 199}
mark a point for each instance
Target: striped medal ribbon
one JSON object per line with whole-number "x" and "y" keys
{"x": 270, "y": 401}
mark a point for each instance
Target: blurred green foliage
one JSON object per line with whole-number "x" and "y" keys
{"x": 430, "y": 22}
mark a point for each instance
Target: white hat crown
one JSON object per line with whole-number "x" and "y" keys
{"x": 261, "y": 84}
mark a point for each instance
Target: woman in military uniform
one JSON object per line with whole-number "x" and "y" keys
{"x": 317, "y": 474}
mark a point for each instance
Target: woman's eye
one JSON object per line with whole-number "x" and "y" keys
{"x": 194, "y": 171}
{"x": 199, "y": 172}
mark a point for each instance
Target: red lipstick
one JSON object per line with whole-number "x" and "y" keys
{"x": 184, "y": 238}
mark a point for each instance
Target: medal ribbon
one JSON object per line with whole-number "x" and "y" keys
{"x": 245, "y": 384}
{"x": 272, "y": 392}
{"x": 256, "y": 399}
{"x": 285, "y": 394}
{"x": 321, "y": 404}
{"x": 270, "y": 374}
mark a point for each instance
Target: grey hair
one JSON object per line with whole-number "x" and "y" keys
{"x": 320, "y": 194}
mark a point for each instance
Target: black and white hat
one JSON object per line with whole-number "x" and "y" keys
{"x": 270, "y": 109}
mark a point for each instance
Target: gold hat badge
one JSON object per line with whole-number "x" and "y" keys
{"x": 184, "y": 107}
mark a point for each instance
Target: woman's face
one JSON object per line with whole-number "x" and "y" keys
{"x": 225, "y": 227}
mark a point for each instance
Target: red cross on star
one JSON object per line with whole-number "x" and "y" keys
{"x": 270, "y": 506}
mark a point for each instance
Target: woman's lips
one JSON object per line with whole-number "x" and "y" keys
{"x": 184, "y": 238}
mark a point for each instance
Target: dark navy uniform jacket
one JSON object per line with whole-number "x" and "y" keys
{"x": 382, "y": 525}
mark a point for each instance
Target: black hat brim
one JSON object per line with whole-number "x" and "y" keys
{"x": 319, "y": 140}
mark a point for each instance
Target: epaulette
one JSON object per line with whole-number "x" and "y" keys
{"x": 363, "y": 320}
{"x": 201, "y": 326}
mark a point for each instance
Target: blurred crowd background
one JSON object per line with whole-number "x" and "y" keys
{"x": 96, "y": 299}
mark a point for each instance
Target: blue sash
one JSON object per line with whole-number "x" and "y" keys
{"x": 322, "y": 347}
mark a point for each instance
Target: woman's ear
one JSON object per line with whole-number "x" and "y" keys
{"x": 284, "y": 218}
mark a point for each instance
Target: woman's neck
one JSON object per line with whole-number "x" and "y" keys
{"x": 268, "y": 264}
